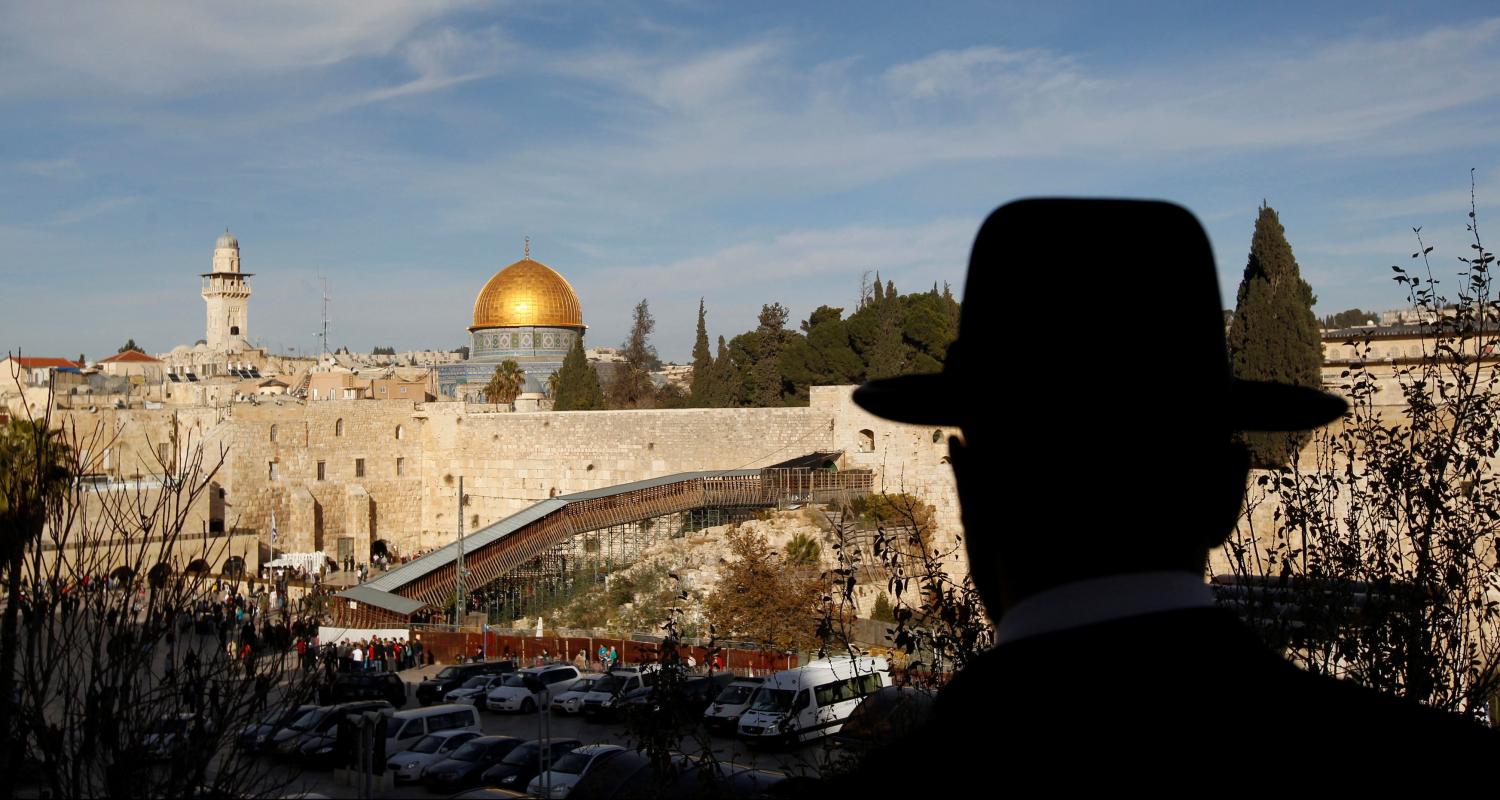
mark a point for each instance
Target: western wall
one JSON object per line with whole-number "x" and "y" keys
{"x": 412, "y": 454}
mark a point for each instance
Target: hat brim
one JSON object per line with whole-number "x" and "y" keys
{"x": 1251, "y": 406}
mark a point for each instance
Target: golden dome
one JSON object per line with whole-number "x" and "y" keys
{"x": 527, "y": 293}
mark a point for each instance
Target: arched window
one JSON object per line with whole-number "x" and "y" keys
{"x": 867, "y": 441}
{"x": 273, "y": 433}
{"x": 338, "y": 428}
{"x": 400, "y": 432}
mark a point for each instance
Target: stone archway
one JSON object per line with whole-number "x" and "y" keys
{"x": 157, "y": 576}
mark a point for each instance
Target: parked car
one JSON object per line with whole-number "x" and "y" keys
{"x": 463, "y": 767}
{"x": 556, "y": 782}
{"x": 519, "y": 692}
{"x": 885, "y": 716}
{"x": 407, "y": 766}
{"x": 631, "y": 776}
{"x": 516, "y": 770}
{"x": 319, "y": 725}
{"x": 351, "y": 686}
{"x": 571, "y": 701}
{"x": 319, "y": 747}
{"x": 173, "y": 737}
{"x": 723, "y": 715}
{"x": 453, "y": 676}
{"x": 254, "y": 737}
{"x": 600, "y": 702}
{"x": 473, "y": 690}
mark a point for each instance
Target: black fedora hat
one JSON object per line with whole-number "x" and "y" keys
{"x": 1119, "y": 296}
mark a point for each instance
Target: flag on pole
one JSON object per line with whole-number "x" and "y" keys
{"x": 273, "y": 527}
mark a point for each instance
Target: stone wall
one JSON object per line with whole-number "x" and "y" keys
{"x": 910, "y": 459}
{"x": 511, "y": 460}
{"x": 507, "y": 460}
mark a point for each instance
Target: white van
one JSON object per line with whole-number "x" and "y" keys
{"x": 812, "y": 701}
{"x": 405, "y": 728}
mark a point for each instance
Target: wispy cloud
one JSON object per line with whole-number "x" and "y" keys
{"x": 94, "y": 208}
{"x": 62, "y": 168}
{"x": 161, "y": 47}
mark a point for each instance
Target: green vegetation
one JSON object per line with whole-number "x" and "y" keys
{"x": 1274, "y": 336}
{"x": 890, "y": 334}
{"x": 577, "y": 383}
{"x": 803, "y": 551}
{"x": 1351, "y": 318}
{"x": 506, "y": 382}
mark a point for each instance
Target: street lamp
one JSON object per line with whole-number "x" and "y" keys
{"x": 543, "y": 730}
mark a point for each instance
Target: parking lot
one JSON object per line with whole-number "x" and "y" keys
{"x": 800, "y": 761}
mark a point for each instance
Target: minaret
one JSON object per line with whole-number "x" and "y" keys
{"x": 227, "y": 293}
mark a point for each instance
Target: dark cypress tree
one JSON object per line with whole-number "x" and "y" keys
{"x": 703, "y": 364}
{"x": 577, "y": 383}
{"x": 1274, "y": 335}
{"x": 726, "y": 380}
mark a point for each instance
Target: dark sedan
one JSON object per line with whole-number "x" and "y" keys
{"x": 351, "y": 686}
{"x": 692, "y": 697}
{"x": 453, "y": 676}
{"x": 523, "y": 763}
{"x": 256, "y": 736}
{"x": 463, "y": 767}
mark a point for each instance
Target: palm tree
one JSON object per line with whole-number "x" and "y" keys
{"x": 803, "y": 550}
{"x": 505, "y": 384}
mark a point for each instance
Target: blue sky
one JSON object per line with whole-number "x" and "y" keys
{"x": 745, "y": 153}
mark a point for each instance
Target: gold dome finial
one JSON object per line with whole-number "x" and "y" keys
{"x": 527, "y": 252}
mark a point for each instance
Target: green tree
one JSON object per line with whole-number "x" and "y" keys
{"x": 637, "y": 348}
{"x": 883, "y": 612}
{"x": 632, "y": 386}
{"x": 505, "y": 383}
{"x": 1274, "y": 336}
{"x": 129, "y": 346}
{"x": 803, "y": 551}
{"x": 758, "y": 357}
{"x": 726, "y": 386}
{"x": 34, "y": 476}
{"x": 824, "y": 355}
{"x": 703, "y": 363}
{"x": 577, "y": 383}
{"x": 1350, "y": 318}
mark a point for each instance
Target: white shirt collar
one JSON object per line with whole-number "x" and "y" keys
{"x": 1088, "y": 602}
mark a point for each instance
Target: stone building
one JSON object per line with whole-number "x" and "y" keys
{"x": 526, "y": 313}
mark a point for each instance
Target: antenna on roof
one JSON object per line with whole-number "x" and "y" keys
{"x": 324, "y": 334}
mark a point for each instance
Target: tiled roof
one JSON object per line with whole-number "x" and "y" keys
{"x": 33, "y": 362}
{"x": 130, "y": 356}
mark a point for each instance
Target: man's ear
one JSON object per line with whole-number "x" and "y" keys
{"x": 1229, "y": 494}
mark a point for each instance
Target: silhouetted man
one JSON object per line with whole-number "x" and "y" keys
{"x": 1096, "y": 469}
